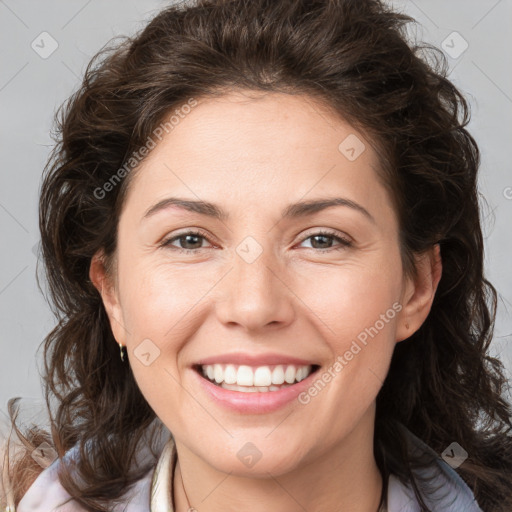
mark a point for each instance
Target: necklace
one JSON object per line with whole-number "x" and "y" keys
{"x": 189, "y": 508}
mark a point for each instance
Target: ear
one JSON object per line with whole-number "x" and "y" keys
{"x": 105, "y": 285}
{"x": 418, "y": 294}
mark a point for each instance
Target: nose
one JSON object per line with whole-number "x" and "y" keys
{"x": 254, "y": 295}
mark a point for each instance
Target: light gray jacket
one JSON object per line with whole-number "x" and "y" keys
{"x": 452, "y": 494}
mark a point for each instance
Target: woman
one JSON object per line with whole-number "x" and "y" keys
{"x": 261, "y": 229}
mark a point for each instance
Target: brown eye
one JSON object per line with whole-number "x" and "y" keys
{"x": 323, "y": 240}
{"x": 191, "y": 241}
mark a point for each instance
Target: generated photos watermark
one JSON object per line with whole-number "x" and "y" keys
{"x": 343, "y": 360}
{"x": 137, "y": 156}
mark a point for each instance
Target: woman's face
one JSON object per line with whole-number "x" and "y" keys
{"x": 261, "y": 281}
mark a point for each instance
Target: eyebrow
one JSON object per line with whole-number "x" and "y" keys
{"x": 294, "y": 210}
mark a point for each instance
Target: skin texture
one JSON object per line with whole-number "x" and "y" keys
{"x": 253, "y": 155}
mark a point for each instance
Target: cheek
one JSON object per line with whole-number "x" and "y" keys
{"x": 351, "y": 299}
{"x": 157, "y": 297}
{"x": 355, "y": 307}
{"x": 157, "y": 307}
{"x": 356, "y": 312}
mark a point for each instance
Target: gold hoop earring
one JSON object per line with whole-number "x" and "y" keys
{"x": 121, "y": 346}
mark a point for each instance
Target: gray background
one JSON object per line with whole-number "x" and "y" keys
{"x": 31, "y": 88}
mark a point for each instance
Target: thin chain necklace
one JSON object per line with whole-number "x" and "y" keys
{"x": 160, "y": 500}
{"x": 189, "y": 508}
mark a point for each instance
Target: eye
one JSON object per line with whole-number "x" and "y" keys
{"x": 190, "y": 238}
{"x": 322, "y": 238}
{"x": 195, "y": 239}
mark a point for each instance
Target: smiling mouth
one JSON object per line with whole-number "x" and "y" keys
{"x": 252, "y": 379}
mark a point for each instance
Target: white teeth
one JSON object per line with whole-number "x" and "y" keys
{"x": 218, "y": 373}
{"x": 290, "y": 374}
{"x": 278, "y": 375}
{"x": 262, "y": 378}
{"x": 253, "y": 389}
{"x": 230, "y": 374}
{"x": 244, "y": 376}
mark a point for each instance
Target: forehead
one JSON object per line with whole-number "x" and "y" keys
{"x": 259, "y": 147}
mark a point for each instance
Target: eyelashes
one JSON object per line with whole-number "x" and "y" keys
{"x": 198, "y": 234}
{"x": 344, "y": 243}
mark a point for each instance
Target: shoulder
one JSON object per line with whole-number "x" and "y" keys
{"x": 449, "y": 492}
{"x": 47, "y": 492}
{"x": 35, "y": 459}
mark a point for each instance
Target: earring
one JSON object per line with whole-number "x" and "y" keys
{"x": 121, "y": 351}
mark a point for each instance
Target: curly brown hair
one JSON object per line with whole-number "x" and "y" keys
{"x": 355, "y": 57}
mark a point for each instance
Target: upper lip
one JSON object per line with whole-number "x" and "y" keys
{"x": 241, "y": 358}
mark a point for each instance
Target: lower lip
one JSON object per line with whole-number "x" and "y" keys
{"x": 255, "y": 402}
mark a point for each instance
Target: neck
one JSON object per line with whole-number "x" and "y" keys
{"x": 345, "y": 477}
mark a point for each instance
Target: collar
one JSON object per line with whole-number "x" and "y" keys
{"x": 161, "y": 497}
{"x": 451, "y": 495}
